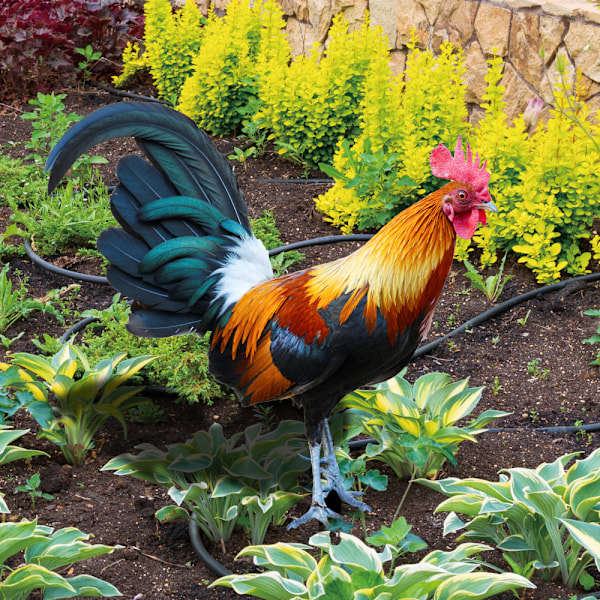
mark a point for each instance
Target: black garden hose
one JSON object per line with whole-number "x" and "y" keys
{"x": 58, "y": 270}
{"x": 321, "y": 241}
{"x": 131, "y": 95}
{"x": 207, "y": 558}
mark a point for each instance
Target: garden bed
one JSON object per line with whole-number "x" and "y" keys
{"x": 158, "y": 562}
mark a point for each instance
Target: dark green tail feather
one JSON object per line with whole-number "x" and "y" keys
{"x": 170, "y": 140}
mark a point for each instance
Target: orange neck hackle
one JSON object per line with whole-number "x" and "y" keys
{"x": 402, "y": 269}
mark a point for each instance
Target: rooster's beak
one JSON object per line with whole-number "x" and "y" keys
{"x": 487, "y": 206}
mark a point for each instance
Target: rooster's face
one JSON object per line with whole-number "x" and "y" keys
{"x": 465, "y": 209}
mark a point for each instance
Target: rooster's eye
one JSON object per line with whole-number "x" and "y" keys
{"x": 461, "y": 195}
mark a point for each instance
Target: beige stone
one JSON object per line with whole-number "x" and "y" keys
{"x": 552, "y": 76}
{"x": 560, "y": 9}
{"x": 524, "y": 47}
{"x": 300, "y": 35}
{"x": 320, "y": 14}
{"x": 432, "y": 9}
{"x": 355, "y": 14}
{"x": 476, "y": 69}
{"x": 492, "y": 25}
{"x": 551, "y": 33}
{"x": 295, "y": 8}
{"x": 397, "y": 61}
{"x": 517, "y": 93}
{"x": 592, "y": 16}
{"x": 454, "y": 23}
{"x": 411, "y": 15}
{"x": 220, "y": 5}
{"x": 583, "y": 43}
{"x": 386, "y": 14}
{"x": 517, "y": 4}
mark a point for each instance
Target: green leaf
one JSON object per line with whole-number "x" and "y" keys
{"x": 587, "y": 534}
{"x": 24, "y": 580}
{"x": 350, "y": 551}
{"x": 171, "y": 513}
{"x": 475, "y": 586}
{"x": 514, "y": 543}
{"x": 84, "y": 586}
{"x": 269, "y": 586}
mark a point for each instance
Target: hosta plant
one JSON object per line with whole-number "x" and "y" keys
{"x": 351, "y": 569}
{"x": 548, "y": 517}
{"x": 248, "y": 479}
{"x": 414, "y": 427}
{"x": 84, "y": 402}
{"x": 9, "y": 452}
{"x": 45, "y": 551}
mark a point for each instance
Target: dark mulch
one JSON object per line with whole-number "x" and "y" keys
{"x": 158, "y": 561}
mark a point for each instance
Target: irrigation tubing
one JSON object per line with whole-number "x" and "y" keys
{"x": 207, "y": 558}
{"x": 131, "y": 95}
{"x": 60, "y": 271}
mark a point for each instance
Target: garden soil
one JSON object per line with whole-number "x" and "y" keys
{"x": 157, "y": 560}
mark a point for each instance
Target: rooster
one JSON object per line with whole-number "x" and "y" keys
{"x": 185, "y": 253}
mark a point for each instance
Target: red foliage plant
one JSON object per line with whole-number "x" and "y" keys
{"x": 38, "y": 40}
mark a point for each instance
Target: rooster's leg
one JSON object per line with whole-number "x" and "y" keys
{"x": 318, "y": 510}
{"x": 331, "y": 472}
{"x": 328, "y": 469}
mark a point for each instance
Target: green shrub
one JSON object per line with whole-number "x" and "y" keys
{"x": 266, "y": 230}
{"x": 171, "y": 40}
{"x": 22, "y": 183}
{"x": 236, "y": 51}
{"x": 84, "y": 402}
{"x": 250, "y": 478}
{"x": 313, "y": 104}
{"x": 67, "y": 219}
{"x": 181, "y": 361}
{"x": 402, "y": 118}
{"x": 415, "y": 426}
{"x": 545, "y": 185}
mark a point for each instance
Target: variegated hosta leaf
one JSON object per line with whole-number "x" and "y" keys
{"x": 350, "y": 551}
{"x": 587, "y": 534}
{"x": 24, "y": 580}
{"x": 583, "y": 467}
{"x": 36, "y": 364}
{"x": 288, "y": 558}
{"x": 411, "y": 421}
{"x": 46, "y": 550}
{"x": 583, "y": 495}
{"x": 554, "y": 472}
{"x": 479, "y": 585}
{"x": 269, "y": 586}
{"x": 426, "y": 385}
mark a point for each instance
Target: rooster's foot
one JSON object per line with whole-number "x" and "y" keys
{"x": 321, "y": 513}
{"x": 349, "y": 497}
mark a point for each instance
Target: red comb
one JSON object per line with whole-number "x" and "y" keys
{"x": 456, "y": 168}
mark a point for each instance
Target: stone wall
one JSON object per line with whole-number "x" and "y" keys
{"x": 517, "y": 29}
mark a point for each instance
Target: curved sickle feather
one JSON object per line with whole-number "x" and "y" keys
{"x": 170, "y": 140}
